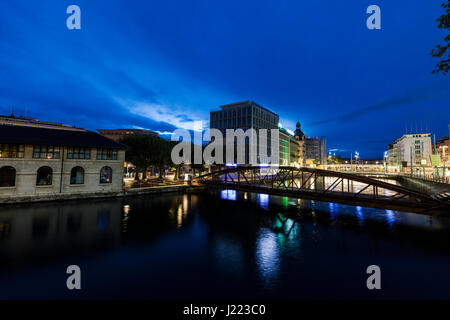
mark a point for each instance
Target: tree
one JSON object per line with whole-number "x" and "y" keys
{"x": 146, "y": 150}
{"x": 443, "y": 51}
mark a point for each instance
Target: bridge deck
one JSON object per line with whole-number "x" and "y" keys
{"x": 328, "y": 186}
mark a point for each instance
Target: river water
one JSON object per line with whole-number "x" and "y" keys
{"x": 220, "y": 245}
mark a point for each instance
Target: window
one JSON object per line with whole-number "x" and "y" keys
{"x": 77, "y": 175}
{"x": 46, "y": 152}
{"x": 78, "y": 153}
{"x": 7, "y": 176}
{"x": 106, "y": 175}
{"x": 44, "y": 176}
{"x": 106, "y": 154}
{"x": 11, "y": 150}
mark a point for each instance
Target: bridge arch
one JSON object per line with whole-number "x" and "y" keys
{"x": 324, "y": 185}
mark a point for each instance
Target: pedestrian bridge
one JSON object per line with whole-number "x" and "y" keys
{"x": 327, "y": 186}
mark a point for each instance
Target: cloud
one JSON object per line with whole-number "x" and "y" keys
{"x": 174, "y": 115}
{"x": 415, "y": 96}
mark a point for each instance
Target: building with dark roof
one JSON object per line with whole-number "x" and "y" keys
{"x": 117, "y": 134}
{"x": 45, "y": 160}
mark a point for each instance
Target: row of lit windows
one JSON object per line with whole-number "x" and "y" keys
{"x": 54, "y": 152}
{"x": 12, "y": 150}
{"x": 44, "y": 176}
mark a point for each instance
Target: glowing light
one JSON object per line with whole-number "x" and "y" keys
{"x": 285, "y": 202}
{"x": 267, "y": 255}
{"x": 228, "y": 195}
{"x": 179, "y": 216}
{"x": 359, "y": 215}
{"x": 290, "y": 132}
{"x": 263, "y": 200}
{"x": 185, "y": 205}
{"x": 390, "y": 217}
{"x": 231, "y": 165}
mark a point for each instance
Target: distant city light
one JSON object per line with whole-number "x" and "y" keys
{"x": 290, "y": 132}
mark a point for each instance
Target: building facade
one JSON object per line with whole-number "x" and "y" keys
{"x": 300, "y": 137}
{"x": 412, "y": 149}
{"x": 443, "y": 149}
{"x": 117, "y": 134}
{"x": 40, "y": 162}
{"x": 315, "y": 150}
{"x": 245, "y": 115}
{"x": 290, "y": 148}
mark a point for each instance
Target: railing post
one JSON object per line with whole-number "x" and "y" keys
{"x": 292, "y": 171}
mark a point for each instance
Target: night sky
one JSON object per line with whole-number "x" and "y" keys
{"x": 161, "y": 64}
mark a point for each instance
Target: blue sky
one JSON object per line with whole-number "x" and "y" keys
{"x": 161, "y": 64}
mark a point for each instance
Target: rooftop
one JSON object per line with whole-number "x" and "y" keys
{"x": 15, "y": 134}
{"x": 248, "y": 102}
{"x": 31, "y": 122}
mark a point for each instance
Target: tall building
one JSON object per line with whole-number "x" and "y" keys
{"x": 315, "y": 150}
{"x": 117, "y": 134}
{"x": 244, "y": 115}
{"x": 415, "y": 147}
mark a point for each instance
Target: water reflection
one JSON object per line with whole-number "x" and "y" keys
{"x": 360, "y": 215}
{"x": 267, "y": 255}
{"x": 390, "y": 218}
{"x": 228, "y": 195}
{"x": 263, "y": 200}
{"x": 225, "y": 247}
{"x": 40, "y": 230}
{"x": 333, "y": 210}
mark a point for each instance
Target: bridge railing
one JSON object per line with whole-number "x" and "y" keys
{"x": 430, "y": 178}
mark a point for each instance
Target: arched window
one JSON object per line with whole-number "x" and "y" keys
{"x": 7, "y": 176}
{"x": 106, "y": 175}
{"x": 77, "y": 175}
{"x": 44, "y": 176}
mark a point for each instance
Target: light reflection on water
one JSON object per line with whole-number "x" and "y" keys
{"x": 263, "y": 200}
{"x": 390, "y": 217}
{"x": 228, "y": 195}
{"x": 360, "y": 215}
{"x": 250, "y": 244}
{"x": 333, "y": 210}
{"x": 267, "y": 255}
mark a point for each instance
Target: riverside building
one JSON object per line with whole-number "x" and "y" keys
{"x": 42, "y": 160}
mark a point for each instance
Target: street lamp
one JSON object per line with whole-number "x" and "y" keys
{"x": 385, "y": 161}
{"x": 444, "y": 159}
